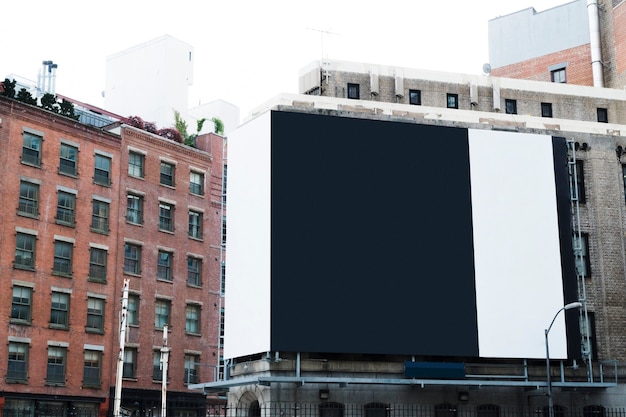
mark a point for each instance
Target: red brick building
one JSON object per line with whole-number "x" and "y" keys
{"x": 562, "y": 44}
{"x": 85, "y": 209}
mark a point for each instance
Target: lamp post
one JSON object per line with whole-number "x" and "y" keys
{"x": 569, "y": 306}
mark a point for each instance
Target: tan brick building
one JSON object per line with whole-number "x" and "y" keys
{"x": 86, "y": 209}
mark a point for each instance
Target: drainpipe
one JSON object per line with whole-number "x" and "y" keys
{"x": 594, "y": 35}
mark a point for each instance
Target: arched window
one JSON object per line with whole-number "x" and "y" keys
{"x": 331, "y": 409}
{"x": 254, "y": 410}
{"x": 488, "y": 410}
{"x": 376, "y": 410}
{"x": 445, "y": 410}
{"x": 559, "y": 411}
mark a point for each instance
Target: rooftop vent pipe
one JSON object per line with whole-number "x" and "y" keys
{"x": 594, "y": 34}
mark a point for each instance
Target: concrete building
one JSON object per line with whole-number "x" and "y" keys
{"x": 580, "y": 42}
{"x": 410, "y": 237}
{"x": 88, "y": 208}
{"x": 152, "y": 80}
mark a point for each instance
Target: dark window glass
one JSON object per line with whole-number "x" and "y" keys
{"x": 134, "y": 209}
{"x": 21, "y": 304}
{"x": 166, "y": 217}
{"x": 56, "y": 365}
{"x": 196, "y": 183}
{"x": 558, "y": 76}
{"x": 194, "y": 268}
{"x": 62, "y": 258}
{"x": 129, "y": 368}
{"x": 452, "y": 101}
{"x": 31, "y": 149}
{"x": 546, "y": 109}
{"x": 98, "y": 264}
{"x": 24, "y": 251}
{"x": 580, "y": 182}
{"x": 102, "y": 171}
{"x": 581, "y": 253}
{"x": 60, "y": 310}
{"x": 415, "y": 97}
{"x": 136, "y": 164}
{"x": 100, "y": 216}
{"x": 510, "y": 106}
{"x": 167, "y": 174}
{"x": 92, "y": 368}
{"x": 354, "y": 91}
{"x": 68, "y": 161}
{"x": 17, "y": 369}
{"x": 29, "y": 199}
{"x": 66, "y": 206}
{"x": 603, "y": 115}
{"x": 164, "y": 265}
{"x": 195, "y": 224}
{"x": 95, "y": 315}
{"x": 132, "y": 259}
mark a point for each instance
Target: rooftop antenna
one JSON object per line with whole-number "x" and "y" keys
{"x": 322, "y": 33}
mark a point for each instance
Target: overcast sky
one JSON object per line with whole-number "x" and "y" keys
{"x": 247, "y": 51}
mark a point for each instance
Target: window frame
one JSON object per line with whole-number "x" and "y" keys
{"x": 194, "y": 271}
{"x": 67, "y": 164}
{"x": 100, "y": 213}
{"x": 415, "y": 97}
{"x": 191, "y": 369}
{"x": 580, "y": 181}
{"x": 28, "y": 203}
{"x": 602, "y": 114}
{"x": 95, "y": 315}
{"x": 132, "y": 314}
{"x": 27, "y": 239}
{"x": 558, "y": 75}
{"x": 102, "y": 174}
{"x": 132, "y": 265}
{"x": 56, "y": 370}
{"x": 584, "y": 255}
{"x": 166, "y": 216}
{"x": 546, "y": 110}
{"x": 135, "y": 210}
{"x": 196, "y": 185}
{"x": 454, "y": 104}
{"x": 136, "y": 164}
{"x": 97, "y": 268}
{"x": 353, "y": 91}
{"x": 60, "y": 310}
{"x": 66, "y": 208}
{"x": 21, "y": 305}
{"x": 63, "y": 254}
{"x": 165, "y": 262}
{"x": 196, "y": 223}
{"x": 162, "y": 313}
{"x": 17, "y": 357}
{"x": 129, "y": 366}
{"x": 32, "y": 146}
{"x": 92, "y": 375}
{"x": 167, "y": 178}
{"x": 192, "y": 318}
{"x": 510, "y": 106}
{"x": 157, "y": 369}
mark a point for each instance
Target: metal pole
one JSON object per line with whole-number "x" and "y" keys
{"x": 165, "y": 351}
{"x": 549, "y": 381}
{"x": 117, "y": 403}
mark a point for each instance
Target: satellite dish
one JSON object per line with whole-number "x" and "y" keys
{"x": 486, "y": 68}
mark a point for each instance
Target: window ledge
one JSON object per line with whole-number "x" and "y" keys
{"x": 132, "y": 274}
{"x": 100, "y": 232}
{"x": 23, "y": 267}
{"x": 29, "y": 215}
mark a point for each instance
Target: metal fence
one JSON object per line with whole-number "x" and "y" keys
{"x": 406, "y": 410}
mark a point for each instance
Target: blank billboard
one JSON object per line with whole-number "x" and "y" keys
{"x": 351, "y": 235}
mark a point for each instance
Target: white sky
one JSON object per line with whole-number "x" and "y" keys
{"x": 247, "y": 51}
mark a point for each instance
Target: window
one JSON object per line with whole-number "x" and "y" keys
{"x": 191, "y": 371}
{"x": 21, "y": 305}
{"x": 98, "y": 264}
{"x": 452, "y": 101}
{"x": 167, "y": 174}
{"x": 580, "y": 182}
{"x": 161, "y": 313}
{"x": 132, "y": 259}
{"x": 129, "y": 369}
{"x": 510, "y": 106}
{"x": 132, "y": 314}
{"x": 546, "y": 109}
{"x": 593, "y": 411}
{"x": 56, "y": 365}
{"x": 192, "y": 319}
{"x": 102, "y": 171}
{"x": 92, "y": 368}
{"x": 331, "y": 409}
{"x": 60, "y": 310}
{"x": 588, "y": 333}
{"x": 29, "y": 199}
{"x": 68, "y": 163}
{"x": 164, "y": 265}
{"x": 100, "y": 216}
{"x": 195, "y": 224}
{"x": 157, "y": 368}
{"x": 17, "y": 369}
{"x": 603, "y": 115}
{"x": 581, "y": 254}
{"x": 134, "y": 208}
{"x": 223, "y": 288}
{"x": 136, "y": 163}
{"x": 66, "y": 205}
{"x": 221, "y": 340}
{"x": 415, "y": 97}
{"x": 31, "y": 149}
{"x": 624, "y": 175}
{"x": 24, "y": 251}
{"x": 223, "y": 230}
{"x": 353, "y": 91}
{"x": 445, "y": 410}
{"x": 557, "y": 411}
{"x": 95, "y": 315}
{"x": 194, "y": 269}
{"x": 196, "y": 183}
{"x": 558, "y": 75}
{"x": 62, "y": 258}
{"x": 488, "y": 410}
{"x": 166, "y": 217}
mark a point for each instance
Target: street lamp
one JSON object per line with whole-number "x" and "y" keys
{"x": 569, "y": 306}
